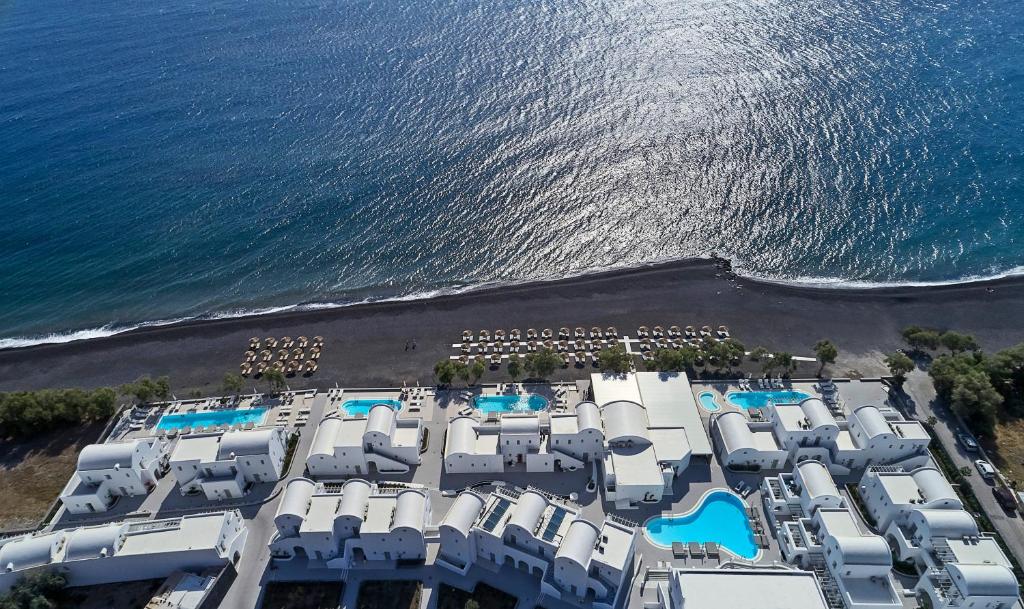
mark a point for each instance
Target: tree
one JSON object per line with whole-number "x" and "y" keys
{"x": 958, "y": 343}
{"x": 672, "y": 360}
{"x": 462, "y": 371}
{"x": 784, "y": 360}
{"x": 614, "y": 359}
{"x": 42, "y": 590}
{"x": 900, "y": 365}
{"x": 758, "y": 353}
{"x": 826, "y": 352}
{"x": 976, "y": 401}
{"x": 145, "y": 389}
{"x": 476, "y": 370}
{"x": 733, "y": 351}
{"x": 445, "y": 372}
{"x": 233, "y": 383}
{"x": 920, "y": 338}
{"x": 275, "y": 379}
{"x": 515, "y": 368}
{"x": 542, "y": 363}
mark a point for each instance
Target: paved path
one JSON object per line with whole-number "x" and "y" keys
{"x": 246, "y": 590}
{"x": 924, "y": 403}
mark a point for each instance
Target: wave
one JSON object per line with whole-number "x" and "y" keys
{"x": 112, "y": 329}
{"x": 850, "y": 284}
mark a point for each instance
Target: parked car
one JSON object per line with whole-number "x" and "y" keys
{"x": 967, "y": 442}
{"x": 1005, "y": 498}
{"x": 985, "y": 469}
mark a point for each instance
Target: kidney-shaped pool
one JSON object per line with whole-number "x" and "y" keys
{"x": 720, "y": 517}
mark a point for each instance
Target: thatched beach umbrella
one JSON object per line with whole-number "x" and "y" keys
{"x": 579, "y": 332}
{"x": 297, "y": 353}
{"x": 261, "y": 367}
{"x": 282, "y": 354}
{"x": 546, "y": 333}
{"x": 318, "y": 340}
{"x": 658, "y": 332}
{"x": 515, "y": 334}
{"x": 267, "y": 354}
{"x": 531, "y": 333}
{"x": 642, "y": 332}
{"x": 563, "y": 333}
{"x": 611, "y": 332}
{"x": 595, "y": 332}
{"x": 303, "y": 341}
{"x": 270, "y": 342}
{"x": 563, "y": 345}
{"x": 287, "y": 342}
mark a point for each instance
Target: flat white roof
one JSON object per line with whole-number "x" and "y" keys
{"x": 670, "y": 444}
{"x": 190, "y": 533}
{"x": 983, "y": 551}
{"x": 669, "y": 401}
{"x": 765, "y": 441}
{"x": 749, "y": 589}
{"x": 610, "y": 388}
{"x": 566, "y": 424}
{"x": 636, "y": 466}
{"x": 201, "y": 448}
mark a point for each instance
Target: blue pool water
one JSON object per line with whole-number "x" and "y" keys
{"x": 363, "y": 406}
{"x": 721, "y": 517}
{"x": 510, "y": 403}
{"x": 211, "y": 418}
{"x": 760, "y": 399}
{"x": 708, "y": 402}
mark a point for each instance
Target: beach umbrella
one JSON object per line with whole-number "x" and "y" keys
{"x": 303, "y": 341}
{"x": 318, "y": 340}
{"x": 595, "y": 332}
{"x": 611, "y": 332}
{"x": 579, "y": 332}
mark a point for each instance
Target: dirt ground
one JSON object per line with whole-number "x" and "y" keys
{"x": 33, "y": 473}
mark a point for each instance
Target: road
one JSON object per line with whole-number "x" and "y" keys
{"x": 247, "y": 588}
{"x": 924, "y": 403}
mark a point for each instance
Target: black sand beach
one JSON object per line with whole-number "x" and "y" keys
{"x": 366, "y": 344}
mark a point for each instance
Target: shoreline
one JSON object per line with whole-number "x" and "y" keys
{"x": 722, "y": 265}
{"x": 364, "y": 345}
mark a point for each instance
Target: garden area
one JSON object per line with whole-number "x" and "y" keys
{"x": 302, "y": 595}
{"x": 482, "y": 597}
{"x": 389, "y": 594}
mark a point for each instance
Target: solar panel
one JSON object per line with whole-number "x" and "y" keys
{"x": 556, "y": 521}
{"x": 499, "y": 510}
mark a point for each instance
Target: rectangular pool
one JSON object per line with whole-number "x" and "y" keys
{"x": 212, "y": 418}
{"x": 363, "y": 406}
{"x": 530, "y": 402}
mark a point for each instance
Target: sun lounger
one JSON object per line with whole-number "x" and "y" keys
{"x": 678, "y": 550}
{"x": 712, "y": 549}
{"x": 696, "y": 550}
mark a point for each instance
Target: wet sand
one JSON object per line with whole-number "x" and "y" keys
{"x": 365, "y": 345}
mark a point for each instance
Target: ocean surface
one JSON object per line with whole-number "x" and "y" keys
{"x": 169, "y": 159}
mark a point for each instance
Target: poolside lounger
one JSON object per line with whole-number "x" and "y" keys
{"x": 712, "y": 549}
{"x": 696, "y": 550}
{"x": 678, "y": 550}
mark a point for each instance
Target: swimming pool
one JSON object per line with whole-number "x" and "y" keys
{"x": 760, "y": 399}
{"x": 708, "y": 402}
{"x": 363, "y": 406}
{"x": 529, "y": 402}
{"x": 211, "y": 418}
{"x": 720, "y": 517}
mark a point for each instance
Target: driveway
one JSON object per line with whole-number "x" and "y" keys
{"x": 924, "y": 403}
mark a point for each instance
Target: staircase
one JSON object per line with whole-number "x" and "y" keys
{"x": 829, "y": 588}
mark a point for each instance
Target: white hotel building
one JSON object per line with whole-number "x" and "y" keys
{"x": 120, "y": 552}
{"x": 808, "y": 430}
{"x": 381, "y": 442}
{"x": 351, "y": 524}
{"x": 574, "y": 560}
{"x": 108, "y": 471}
{"x": 223, "y": 465}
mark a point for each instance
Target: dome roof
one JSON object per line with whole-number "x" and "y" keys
{"x": 816, "y": 480}
{"x": 520, "y": 424}
{"x": 625, "y": 420}
{"x": 238, "y": 443}
{"x": 984, "y": 580}
{"x": 871, "y": 421}
{"x": 355, "y": 496}
{"x": 106, "y": 456}
{"x": 326, "y": 436}
{"x": 94, "y": 542}
{"x": 864, "y": 550}
{"x": 461, "y": 436}
{"x": 588, "y": 416}
{"x": 734, "y": 431}
{"x": 380, "y": 419}
{"x": 817, "y": 413}
{"x": 30, "y": 551}
{"x": 464, "y": 512}
{"x": 296, "y": 498}
{"x": 933, "y": 485}
{"x": 945, "y": 523}
{"x": 410, "y": 510}
{"x": 529, "y": 508}
{"x": 578, "y": 543}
